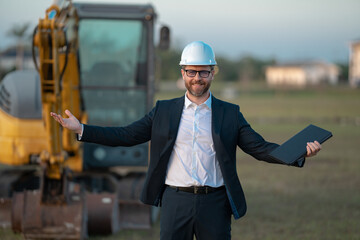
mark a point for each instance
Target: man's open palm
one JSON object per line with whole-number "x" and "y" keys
{"x": 71, "y": 123}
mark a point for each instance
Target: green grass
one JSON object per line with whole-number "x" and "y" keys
{"x": 319, "y": 201}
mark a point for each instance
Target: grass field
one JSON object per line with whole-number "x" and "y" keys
{"x": 319, "y": 201}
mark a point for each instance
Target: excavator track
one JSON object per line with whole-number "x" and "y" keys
{"x": 95, "y": 204}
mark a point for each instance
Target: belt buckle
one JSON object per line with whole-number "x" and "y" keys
{"x": 201, "y": 190}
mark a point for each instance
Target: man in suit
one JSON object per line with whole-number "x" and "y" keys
{"x": 192, "y": 170}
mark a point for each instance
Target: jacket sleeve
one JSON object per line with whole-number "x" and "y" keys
{"x": 254, "y": 144}
{"x": 136, "y": 133}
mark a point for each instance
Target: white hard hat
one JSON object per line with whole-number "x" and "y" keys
{"x": 197, "y": 53}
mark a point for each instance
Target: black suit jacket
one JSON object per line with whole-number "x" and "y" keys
{"x": 229, "y": 130}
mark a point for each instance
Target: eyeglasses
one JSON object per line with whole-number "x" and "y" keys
{"x": 202, "y": 73}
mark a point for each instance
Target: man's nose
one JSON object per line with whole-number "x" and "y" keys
{"x": 197, "y": 76}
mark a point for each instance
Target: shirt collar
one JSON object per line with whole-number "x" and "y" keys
{"x": 189, "y": 103}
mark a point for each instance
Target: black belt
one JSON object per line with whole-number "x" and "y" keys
{"x": 197, "y": 189}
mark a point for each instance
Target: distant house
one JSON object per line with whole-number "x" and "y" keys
{"x": 8, "y": 59}
{"x": 302, "y": 74}
{"x": 354, "y": 64}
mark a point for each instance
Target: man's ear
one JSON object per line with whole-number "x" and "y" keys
{"x": 182, "y": 73}
{"x": 212, "y": 74}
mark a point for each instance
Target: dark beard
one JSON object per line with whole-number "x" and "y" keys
{"x": 201, "y": 93}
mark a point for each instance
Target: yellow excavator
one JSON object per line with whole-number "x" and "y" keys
{"x": 98, "y": 61}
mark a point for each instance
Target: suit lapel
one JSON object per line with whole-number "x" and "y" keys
{"x": 175, "y": 112}
{"x": 217, "y": 113}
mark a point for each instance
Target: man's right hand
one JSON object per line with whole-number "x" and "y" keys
{"x": 71, "y": 123}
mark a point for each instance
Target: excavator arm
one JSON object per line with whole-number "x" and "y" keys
{"x": 56, "y": 40}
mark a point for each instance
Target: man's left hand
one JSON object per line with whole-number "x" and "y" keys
{"x": 312, "y": 148}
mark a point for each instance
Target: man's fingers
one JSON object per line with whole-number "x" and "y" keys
{"x": 308, "y": 150}
{"x": 318, "y": 145}
{"x": 55, "y": 116}
{"x": 68, "y": 113}
{"x": 71, "y": 123}
{"x": 58, "y": 118}
{"x": 313, "y": 148}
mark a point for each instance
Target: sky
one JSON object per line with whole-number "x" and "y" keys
{"x": 287, "y": 30}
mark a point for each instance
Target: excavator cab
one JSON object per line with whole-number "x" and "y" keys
{"x": 116, "y": 71}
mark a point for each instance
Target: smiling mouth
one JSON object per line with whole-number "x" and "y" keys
{"x": 198, "y": 86}
{"x": 198, "y": 83}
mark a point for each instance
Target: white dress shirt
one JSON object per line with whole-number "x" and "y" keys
{"x": 193, "y": 159}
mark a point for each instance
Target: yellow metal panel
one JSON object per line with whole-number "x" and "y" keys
{"x": 20, "y": 138}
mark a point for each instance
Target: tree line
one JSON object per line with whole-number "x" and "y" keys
{"x": 247, "y": 68}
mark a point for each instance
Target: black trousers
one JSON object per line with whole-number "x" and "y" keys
{"x": 185, "y": 215}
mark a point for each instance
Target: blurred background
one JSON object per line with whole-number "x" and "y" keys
{"x": 256, "y": 33}
{"x": 287, "y": 64}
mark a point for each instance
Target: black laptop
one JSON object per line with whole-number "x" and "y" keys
{"x": 295, "y": 148}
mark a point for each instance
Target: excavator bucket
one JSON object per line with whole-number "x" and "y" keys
{"x": 48, "y": 221}
{"x": 5, "y": 212}
{"x": 116, "y": 206}
{"x": 112, "y": 205}
{"x": 103, "y": 213}
{"x": 17, "y": 210}
{"x": 121, "y": 209}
